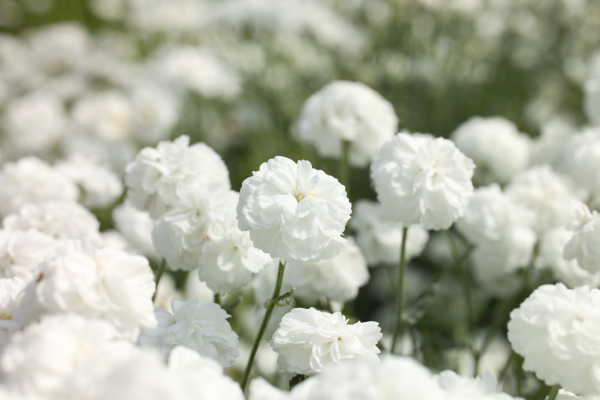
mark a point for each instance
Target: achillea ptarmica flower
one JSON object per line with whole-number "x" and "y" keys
{"x": 423, "y": 180}
{"x": 347, "y": 111}
{"x": 309, "y": 340}
{"x": 556, "y": 330}
{"x": 459, "y": 387}
{"x": 584, "y": 246}
{"x": 22, "y": 251}
{"x": 581, "y": 161}
{"x": 202, "y": 327}
{"x": 294, "y": 211}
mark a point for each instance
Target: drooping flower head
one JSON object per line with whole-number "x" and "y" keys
{"x": 423, "y": 180}
{"x": 294, "y": 211}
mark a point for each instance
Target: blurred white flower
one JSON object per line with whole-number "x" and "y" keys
{"x": 22, "y": 251}
{"x": 196, "y": 289}
{"x": 158, "y": 175}
{"x": 338, "y": 278}
{"x": 31, "y": 180}
{"x": 309, "y": 340}
{"x": 459, "y": 387}
{"x": 34, "y": 123}
{"x": 136, "y": 227}
{"x": 591, "y": 100}
{"x": 166, "y": 292}
{"x": 59, "y": 219}
{"x": 564, "y": 395}
{"x": 155, "y": 110}
{"x": 580, "y": 159}
{"x": 202, "y": 327}
{"x": 111, "y": 10}
{"x": 379, "y": 238}
{"x": 294, "y": 211}
{"x": 347, "y": 111}
{"x": 549, "y": 147}
{"x": 584, "y": 245}
{"x": 487, "y": 141}
{"x": 11, "y": 300}
{"x": 547, "y": 194}
{"x": 100, "y": 187}
{"x": 107, "y": 115}
{"x": 100, "y": 283}
{"x": 422, "y": 180}
{"x": 556, "y": 331}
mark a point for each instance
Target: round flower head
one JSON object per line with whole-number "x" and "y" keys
{"x": 22, "y": 251}
{"x": 99, "y": 283}
{"x": 463, "y": 388}
{"x": 338, "y": 278}
{"x": 157, "y": 175}
{"x": 136, "y": 227}
{"x": 487, "y": 141}
{"x": 379, "y": 238}
{"x": 556, "y": 331}
{"x": 422, "y": 180}
{"x": 584, "y": 245}
{"x": 309, "y": 340}
{"x": 294, "y": 211}
{"x": 107, "y": 115}
{"x": 202, "y": 327}
{"x": 581, "y": 160}
{"x": 347, "y": 111}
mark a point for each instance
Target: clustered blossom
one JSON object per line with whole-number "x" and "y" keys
{"x": 583, "y": 246}
{"x": 347, "y": 111}
{"x": 421, "y": 180}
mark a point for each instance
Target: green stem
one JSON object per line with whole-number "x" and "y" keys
{"x": 263, "y": 326}
{"x": 553, "y": 392}
{"x": 217, "y": 298}
{"x": 401, "y": 293}
{"x": 157, "y": 275}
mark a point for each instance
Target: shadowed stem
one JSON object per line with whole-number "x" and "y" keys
{"x": 401, "y": 293}
{"x": 263, "y": 326}
{"x": 553, "y": 392}
{"x": 157, "y": 275}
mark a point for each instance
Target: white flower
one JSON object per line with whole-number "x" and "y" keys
{"x": 487, "y": 141}
{"x": 100, "y": 283}
{"x": 464, "y": 388}
{"x": 202, "y": 327}
{"x": 294, "y": 211}
{"x": 196, "y": 289}
{"x": 548, "y": 195}
{"x": 379, "y": 238}
{"x": 581, "y": 157}
{"x": 583, "y": 246}
{"x": 61, "y": 220}
{"x": 338, "y": 278}
{"x": 40, "y": 358}
{"x": 549, "y": 147}
{"x": 551, "y": 250}
{"x": 591, "y": 100}
{"x": 556, "y": 331}
{"x": 106, "y": 115}
{"x": 59, "y": 47}
{"x": 13, "y": 307}
{"x": 309, "y": 340}
{"x": 136, "y": 227}
{"x": 347, "y": 111}
{"x": 22, "y": 251}
{"x": 423, "y": 180}
{"x": 155, "y": 112}
{"x": 100, "y": 187}
{"x": 564, "y": 395}
{"x": 34, "y": 123}
{"x": 158, "y": 175}
{"x": 31, "y": 180}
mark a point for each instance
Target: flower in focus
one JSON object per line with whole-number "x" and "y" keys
{"x": 584, "y": 246}
{"x": 294, "y": 211}
{"x": 379, "y": 238}
{"x": 309, "y": 340}
{"x": 347, "y": 111}
{"x": 556, "y": 331}
{"x": 422, "y": 180}
{"x": 202, "y": 327}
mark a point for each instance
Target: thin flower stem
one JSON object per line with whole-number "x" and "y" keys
{"x": 157, "y": 275}
{"x": 263, "y": 326}
{"x": 401, "y": 293}
{"x": 553, "y": 392}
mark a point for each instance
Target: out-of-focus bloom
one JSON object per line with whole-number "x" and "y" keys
{"x": 100, "y": 283}
{"x": 11, "y": 300}
{"x": 22, "y": 251}
{"x": 58, "y": 48}
{"x": 155, "y": 112}
{"x": 136, "y": 227}
{"x": 309, "y": 340}
{"x": 31, "y": 180}
{"x": 196, "y": 289}
{"x": 564, "y": 395}
{"x": 100, "y": 187}
{"x": 34, "y": 123}
{"x": 202, "y": 327}
{"x": 422, "y": 180}
{"x": 158, "y": 175}
{"x": 555, "y": 330}
{"x": 584, "y": 246}
{"x": 459, "y": 387}
{"x": 379, "y": 238}
{"x": 107, "y": 115}
{"x": 294, "y": 211}
{"x": 338, "y": 278}
{"x": 347, "y": 111}
{"x": 550, "y": 255}
{"x": 580, "y": 160}
{"x": 591, "y": 101}
{"x": 548, "y": 195}
{"x": 59, "y": 219}
{"x": 487, "y": 141}
{"x": 549, "y": 147}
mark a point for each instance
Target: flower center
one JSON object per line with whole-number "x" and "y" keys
{"x": 301, "y": 196}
